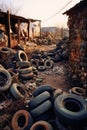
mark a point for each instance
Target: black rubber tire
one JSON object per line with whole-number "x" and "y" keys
{"x": 39, "y": 100}
{"x": 21, "y": 120}
{"x": 41, "y": 68}
{"x": 24, "y": 70}
{"x": 48, "y": 115}
{"x": 21, "y": 56}
{"x": 48, "y": 64}
{"x": 38, "y": 111}
{"x": 51, "y": 54}
{"x": 71, "y": 109}
{"x": 78, "y": 91}
{"x": 58, "y": 58}
{"x": 27, "y": 76}
{"x": 23, "y": 64}
{"x": 35, "y": 62}
{"x": 7, "y": 50}
{"x": 18, "y": 91}
{"x": 42, "y": 89}
{"x": 7, "y": 79}
{"x": 41, "y": 125}
{"x": 4, "y": 50}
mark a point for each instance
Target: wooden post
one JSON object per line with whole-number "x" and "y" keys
{"x": 8, "y": 28}
{"x": 61, "y": 32}
{"x": 40, "y": 28}
{"x": 28, "y": 30}
{"x": 18, "y": 31}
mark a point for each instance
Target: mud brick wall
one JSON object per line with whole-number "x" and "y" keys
{"x": 77, "y": 23}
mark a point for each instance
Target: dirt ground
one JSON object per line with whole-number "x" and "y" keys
{"x": 55, "y": 77}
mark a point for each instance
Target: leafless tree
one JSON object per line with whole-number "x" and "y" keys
{"x": 9, "y": 7}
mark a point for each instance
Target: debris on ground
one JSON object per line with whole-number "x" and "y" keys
{"x": 25, "y": 89}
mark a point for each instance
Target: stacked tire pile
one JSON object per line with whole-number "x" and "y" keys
{"x": 41, "y": 61}
{"x": 45, "y": 60}
{"x": 61, "y": 52}
{"x": 51, "y": 109}
{"x": 14, "y": 68}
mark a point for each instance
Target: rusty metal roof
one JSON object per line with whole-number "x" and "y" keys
{"x": 78, "y": 7}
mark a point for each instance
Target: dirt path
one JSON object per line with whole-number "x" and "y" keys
{"x": 55, "y": 77}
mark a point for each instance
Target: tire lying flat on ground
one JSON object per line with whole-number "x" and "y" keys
{"x": 27, "y": 76}
{"x": 78, "y": 91}
{"x": 21, "y": 120}
{"x": 48, "y": 64}
{"x": 71, "y": 109}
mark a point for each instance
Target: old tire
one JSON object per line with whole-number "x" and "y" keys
{"x": 48, "y": 64}
{"x": 38, "y": 111}
{"x": 23, "y": 64}
{"x": 78, "y": 91}
{"x": 18, "y": 91}
{"x": 41, "y": 125}
{"x": 41, "y": 68}
{"x": 5, "y": 79}
{"x": 39, "y": 100}
{"x": 42, "y": 89}
{"x": 71, "y": 109}
{"x": 27, "y": 76}
{"x": 21, "y": 120}
{"x": 24, "y": 70}
{"x": 21, "y": 56}
{"x": 35, "y": 62}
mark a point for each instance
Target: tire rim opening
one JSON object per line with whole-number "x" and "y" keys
{"x": 48, "y": 64}
{"x": 23, "y": 57}
{"x": 21, "y": 121}
{"x": 3, "y": 79}
{"x": 72, "y": 105}
{"x": 79, "y": 91}
{"x": 21, "y": 90}
{"x": 40, "y": 127}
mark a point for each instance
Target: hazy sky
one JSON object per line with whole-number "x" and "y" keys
{"x": 42, "y": 10}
